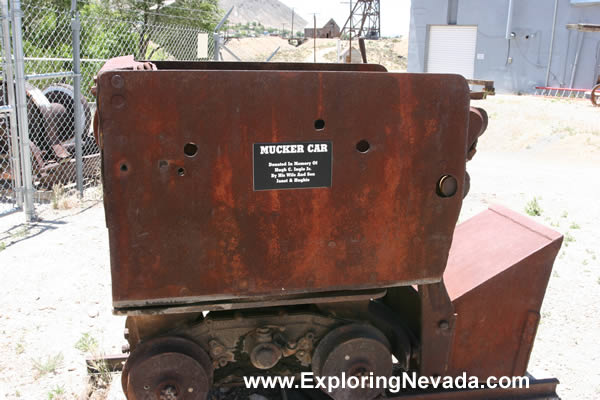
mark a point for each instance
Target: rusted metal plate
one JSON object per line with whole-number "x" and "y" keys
{"x": 542, "y": 389}
{"x": 256, "y": 302}
{"x": 191, "y": 228}
{"x": 267, "y": 66}
{"x": 497, "y": 273}
{"x": 438, "y": 322}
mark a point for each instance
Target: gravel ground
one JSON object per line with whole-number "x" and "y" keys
{"x": 55, "y": 305}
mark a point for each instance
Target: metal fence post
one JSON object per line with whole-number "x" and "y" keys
{"x": 15, "y": 152}
{"x": 21, "y": 108}
{"x": 216, "y": 38}
{"x": 78, "y": 107}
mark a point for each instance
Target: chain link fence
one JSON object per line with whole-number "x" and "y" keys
{"x": 9, "y": 144}
{"x": 8, "y": 198}
{"x": 104, "y": 38}
{"x": 50, "y": 58}
{"x": 7, "y": 186}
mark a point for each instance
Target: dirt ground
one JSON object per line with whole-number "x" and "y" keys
{"x": 391, "y": 53}
{"x": 55, "y": 306}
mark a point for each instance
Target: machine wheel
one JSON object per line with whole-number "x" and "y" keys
{"x": 595, "y": 95}
{"x": 357, "y": 350}
{"x": 64, "y": 95}
{"x": 171, "y": 368}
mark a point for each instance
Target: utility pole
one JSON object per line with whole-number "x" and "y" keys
{"x": 315, "y": 37}
{"x": 350, "y": 31}
{"x": 282, "y": 30}
{"x": 292, "y": 23}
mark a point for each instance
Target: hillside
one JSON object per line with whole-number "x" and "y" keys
{"x": 270, "y": 13}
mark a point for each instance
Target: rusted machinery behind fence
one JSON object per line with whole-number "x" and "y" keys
{"x": 51, "y": 122}
{"x": 274, "y": 219}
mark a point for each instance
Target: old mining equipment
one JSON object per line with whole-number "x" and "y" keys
{"x": 272, "y": 218}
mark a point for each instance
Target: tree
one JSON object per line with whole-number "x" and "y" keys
{"x": 199, "y": 14}
{"x": 145, "y": 28}
{"x": 141, "y": 16}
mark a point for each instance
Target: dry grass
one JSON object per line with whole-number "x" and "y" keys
{"x": 101, "y": 379}
{"x": 50, "y": 364}
{"x": 63, "y": 199}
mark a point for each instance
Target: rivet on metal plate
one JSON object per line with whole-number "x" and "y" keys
{"x": 117, "y": 81}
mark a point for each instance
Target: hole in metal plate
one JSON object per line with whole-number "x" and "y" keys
{"x": 319, "y": 124}
{"x": 363, "y": 146}
{"x": 190, "y": 149}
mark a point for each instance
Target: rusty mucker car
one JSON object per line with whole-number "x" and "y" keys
{"x": 279, "y": 219}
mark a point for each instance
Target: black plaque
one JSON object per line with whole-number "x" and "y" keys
{"x": 295, "y": 165}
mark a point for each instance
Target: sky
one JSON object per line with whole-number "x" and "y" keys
{"x": 395, "y": 14}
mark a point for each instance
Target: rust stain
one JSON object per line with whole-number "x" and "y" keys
{"x": 222, "y": 181}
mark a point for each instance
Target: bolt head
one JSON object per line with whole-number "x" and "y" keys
{"x": 265, "y": 355}
{"x": 117, "y": 81}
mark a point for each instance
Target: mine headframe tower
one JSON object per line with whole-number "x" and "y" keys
{"x": 364, "y": 20}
